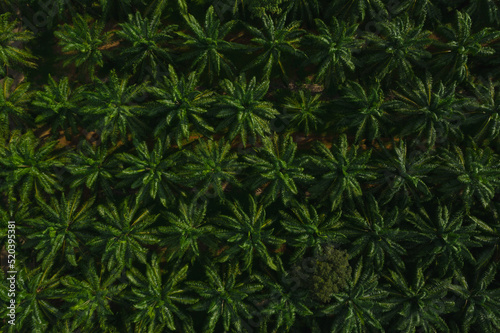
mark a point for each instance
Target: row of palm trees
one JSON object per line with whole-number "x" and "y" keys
{"x": 277, "y": 169}
{"x": 246, "y": 108}
{"x": 396, "y": 50}
{"x": 485, "y": 12}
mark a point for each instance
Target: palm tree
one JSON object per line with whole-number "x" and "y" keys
{"x": 374, "y": 236}
{"x": 208, "y": 45}
{"x": 304, "y": 10}
{"x": 29, "y": 166}
{"x": 363, "y": 109}
{"x": 83, "y": 42}
{"x": 276, "y": 167}
{"x": 122, "y": 233}
{"x": 486, "y": 111}
{"x": 94, "y": 166}
{"x": 484, "y": 13}
{"x": 273, "y": 39}
{"x": 60, "y": 231}
{"x": 19, "y": 211}
{"x": 11, "y": 37}
{"x": 417, "y": 302}
{"x": 358, "y": 307}
{"x": 427, "y": 11}
{"x": 58, "y": 105}
{"x": 156, "y": 296}
{"x": 147, "y": 44}
{"x": 211, "y": 165}
{"x": 304, "y": 111}
{"x": 402, "y": 174}
{"x": 341, "y": 169}
{"x": 399, "y": 48}
{"x": 111, "y": 106}
{"x": 13, "y": 100}
{"x": 283, "y": 304}
{"x": 150, "y": 171}
{"x": 250, "y": 234}
{"x": 474, "y": 175}
{"x": 461, "y": 43}
{"x": 429, "y": 108}
{"x": 306, "y": 229}
{"x": 118, "y": 10}
{"x": 224, "y": 297}
{"x": 181, "y": 106}
{"x": 242, "y": 109}
{"x": 36, "y": 289}
{"x": 333, "y": 50}
{"x": 444, "y": 240}
{"x": 355, "y": 10}
{"x": 185, "y": 229}
{"x": 479, "y": 305}
{"x": 91, "y": 297}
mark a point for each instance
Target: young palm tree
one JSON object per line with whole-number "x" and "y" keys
{"x": 60, "y": 232}
{"x": 208, "y": 45}
{"x": 58, "y": 105}
{"x": 211, "y": 165}
{"x": 363, "y": 109}
{"x": 19, "y": 211}
{"x": 341, "y": 169}
{"x": 36, "y": 289}
{"x": 417, "y": 302}
{"x": 29, "y": 166}
{"x": 242, "y": 109}
{"x": 110, "y": 107}
{"x": 304, "y": 10}
{"x": 484, "y": 13}
{"x": 150, "y": 171}
{"x": 13, "y": 101}
{"x": 486, "y": 111}
{"x": 461, "y": 44}
{"x": 185, "y": 229}
{"x": 445, "y": 240}
{"x": 93, "y": 166}
{"x": 11, "y": 55}
{"x": 429, "y": 108}
{"x": 473, "y": 175}
{"x": 355, "y": 10}
{"x": 83, "y": 42}
{"x": 334, "y": 44}
{"x": 306, "y": 229}
{"x": 147, "y": 44}
{"x": 250, "y": 234}
{"x": 284, "y": 304}
{"x": 358, "y": 307}
{"x": 181, "y": 107}
{"x": 91, "y": 297}
{"x": 403, "y": 174}
{"x": 479, "y": 305}
{"x": 373, "y": 234}
{"x": 399, "y": 48}
{"x": 122, "y": 233}
{"x": 427, "y": 11}
{"x": 276, "y": 167}
{"x": 304, "y": 111}
{"x": 224, "y": 297}
{"x": 157, "y": 296}
{"x": 275, "y": 39}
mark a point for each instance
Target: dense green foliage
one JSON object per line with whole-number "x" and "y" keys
{"x": 251, "y": 165}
